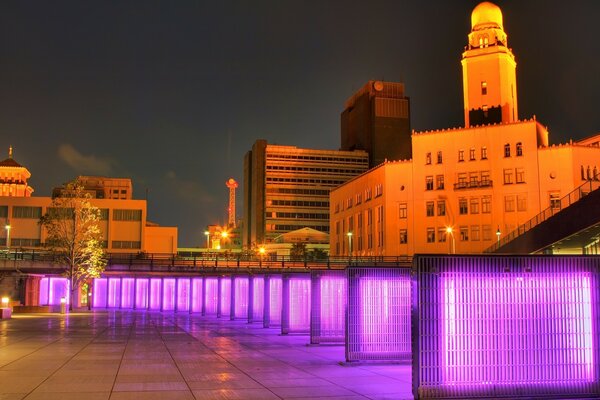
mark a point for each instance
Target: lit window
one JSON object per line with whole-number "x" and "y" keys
{"x": 484, "y": 88}
{"x": 555, "y": 200}
{"x": 403, "y": 236}
{"x": 402, "y": 211}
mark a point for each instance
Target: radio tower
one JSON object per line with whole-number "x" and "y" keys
{"x": 232, "y": 185}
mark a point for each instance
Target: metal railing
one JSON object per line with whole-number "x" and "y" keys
{"x": 555, "y": 207}
{"x": 473, "y": 184}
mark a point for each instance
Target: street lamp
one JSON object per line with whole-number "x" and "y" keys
{"x": 207, "y": 234}
{"x": 261, "y": 253}
{"x": 7, "y": 227}
{"x": 349, "y": 234}
{"x": 498, "y": 233}
{"x": 450, "y": 232}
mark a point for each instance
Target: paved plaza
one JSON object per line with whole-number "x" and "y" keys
{"x": 148, "y": 355}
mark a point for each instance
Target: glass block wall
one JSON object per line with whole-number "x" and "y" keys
{"x": 328, "y": 292}
{"x": 295, "y": 310}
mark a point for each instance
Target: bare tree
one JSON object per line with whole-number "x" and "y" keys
{"x": 73, "y": 231}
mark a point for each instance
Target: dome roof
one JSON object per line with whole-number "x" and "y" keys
{"x": 486, "y": 15}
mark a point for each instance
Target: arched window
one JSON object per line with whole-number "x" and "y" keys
{"x": 519, "y": 149}
{"x": 507, "y": 150}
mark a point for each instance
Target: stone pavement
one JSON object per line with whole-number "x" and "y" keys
{"x": 146, "y": 355}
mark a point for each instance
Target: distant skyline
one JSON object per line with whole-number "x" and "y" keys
{"x": 173, "y": 94}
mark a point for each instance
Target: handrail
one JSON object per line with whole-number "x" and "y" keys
{"x": 571, "y": 198}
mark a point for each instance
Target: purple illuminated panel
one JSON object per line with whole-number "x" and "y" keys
{"x": 114, "y": 292}
{"x": 196, "y": 301}
{"x": 507, "y": 326}
{"x": 328, "y": 324}
{"x": 258, "y": 299}
{"x": 183, "y": 294}
{"x": 273, "y": 301}
{"x": 155, "y": 294}
{"x": 211, "y": 296}
{"x": 141, "y": 293}
{"x": 127, "y": 288}
{"x": 379, "y": 305}
{"x": 52, "y": 290}
{"x": 168, "y": 294}
{"x": 99, "y": 294}
{"x": 240, "y": 297}
{"x": 296, "y": 304}
{"x": 44, "y": 282}
{"x": 224, "y": 297}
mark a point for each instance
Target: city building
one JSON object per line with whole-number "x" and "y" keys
{"x": 377, "y": 119}
{"x": 468, "y": 187}
{"x": 123, "y": 222}
{"x": 287, "y": 188}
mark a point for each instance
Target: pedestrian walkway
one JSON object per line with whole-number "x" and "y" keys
{"x": 143, "y": 355}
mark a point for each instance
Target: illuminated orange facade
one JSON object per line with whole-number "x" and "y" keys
{"x": 13, "y": 178}
{"x": 464, "y": 187}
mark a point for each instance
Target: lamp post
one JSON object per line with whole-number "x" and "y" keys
{"x": 349, "y": 234}
{"x": 7, "y": 227}
{"x": 498, "y": 233}
{"x": 452, "y": 245}
{"x": 261, "y": 253}
{"x": 207, "y": 234}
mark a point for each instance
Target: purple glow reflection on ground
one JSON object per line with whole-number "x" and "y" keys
{"x": 299, "y": 304}
{"x": 275, "y": 293}
{"x": 225, "y": 300}
{"x": 241, "y": 297}
{"x": 114, "y": 292}
{"x": 517, "y": 330}
{"x": 196, "y": 305}
{"x": 258, "y": 297}
{"x": 141, "y": 293}
{"x": 183, "y": 294}
{"x": 211, "y": 297}
{"x": 99, "y": 293}
{"x": 333, "y": 305}
{"x": 155, "y": 293}
{"x": 127, "y": 288}
{"x": 168, "y": 297}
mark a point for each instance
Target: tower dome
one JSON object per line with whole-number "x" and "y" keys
{"x": 486, "y": 15}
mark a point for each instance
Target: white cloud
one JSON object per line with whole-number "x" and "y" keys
{"x": 84, "y": 164}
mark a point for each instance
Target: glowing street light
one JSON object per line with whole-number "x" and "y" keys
{"x": 207, "y": 234}
{"x": 261, "y": 253}
{"x": 5, "y": 301}
{"x": 7, "y": 227}
{"x": 349, "y": 234}
{"x": 498, "y": 233}
{"x": 450, "y": 232}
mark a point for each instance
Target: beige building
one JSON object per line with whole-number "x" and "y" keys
{"x": 464, "y": 187}
{"x": 123, "y": 220}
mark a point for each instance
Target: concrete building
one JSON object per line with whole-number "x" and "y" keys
{"x": 466, "y": 187}
{"x": 123, "y": 223}
{"x": 377, "y": 119}
{"x": 287, "y": 188}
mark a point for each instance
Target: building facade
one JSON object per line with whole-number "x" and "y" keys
{"x": 377, "y": 119}
{"x": 464, "y": 188}
{"x": 287, "y": 188}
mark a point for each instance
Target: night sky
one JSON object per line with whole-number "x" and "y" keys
{"x": 173, "y": 93}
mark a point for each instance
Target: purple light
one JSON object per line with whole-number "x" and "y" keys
{"x": 141, "y": 293}
{"x": 273, "y": 301}
{"x": 258, "y": 298}
{"x": 114, "y": 292}
{"x": 44, "y": 282}
{"x": 517, "y": 329}
{"x": 196, "y": 305}
{"x": 328, "y": 307}
{"x": 211, "y": 297}
{"x": 58, "y": 288}
{"x": 241, "y": 297}
{"x": 168, "y": 297}
{"x": 127, "y": 288}
{"x": 225, "y": 300}
{"x": 155, "y": 293}
{"x": 296, "y": 316}
{"x": 99, "y": 293}
{"x": 183, "y": 294}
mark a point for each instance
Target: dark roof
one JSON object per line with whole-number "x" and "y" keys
{"x": 9, "y": 162}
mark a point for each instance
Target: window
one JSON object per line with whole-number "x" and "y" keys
{"x": 430, "y": 235}
{"x": 475, "y": 233}
{"x": 519, "y": 149}
{"x": 507, "y": 150}
{"x": 337, "y": 227}
{"x": 349, "y": 202}
{"x": 442, "y": 235}
{"x": 358, "y": 198}
{"x": 462, "y": 206}
{"x": 368, "y": 194}
{"x": 3, "y": 211}
{"x": 359, "y": 220}
{"x": 483, "y": 88}
{"x": 521, "y": 202}
{"x": 402, "y": 211}
{"x": 429, "y": 182}
{"x": 485, "y": 178}
{"x": 403, "y": 236}
{"x": 127, "y": 215}
{"x": 126, "y": 244}
{"x": 486, "y": 232}
{"x": 104, "y": 214}
{"x": 378, "y": 190}
{"x": 429, "y": 209}
{"x": 486, "y": 204}
{"x": 428, "y": 158}
{"x": 472, "y": 154}
{"x": 27, "y": 212}
{"x": 474, "y": 179}
{"x": 509, "y": 203}
{"x": 439, "y": 182}
{"x": 464, "y": 233}
{"x": 520, "y": 175}
{"x": 484, "y": 153}
{"x": 369, "y": 217}
{"x": 380, "y": 214}
{"x": 474, "y": 206}
{"x": 439, "y": 157}
{"x": 462, "y": 180}
{"x": 461, "y": 155}
{"x": 508, "y": 176}
{"x": 555, "y": 200}
{"x": 21, "y": 242}
{"x": 441, "y": 208}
